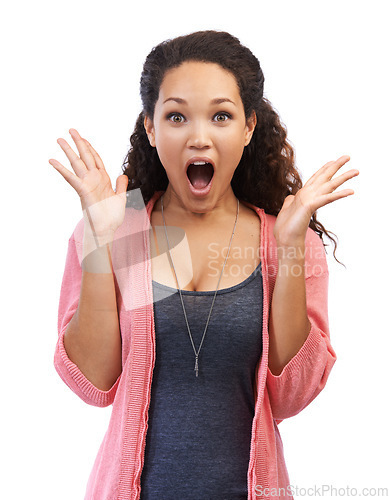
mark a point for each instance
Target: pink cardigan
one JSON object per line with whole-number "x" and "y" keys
{"x": 118, "y": 466}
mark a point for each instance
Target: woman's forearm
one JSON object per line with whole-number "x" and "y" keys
{"x": 289, "y": 325}
{"x": 92, "y": 339}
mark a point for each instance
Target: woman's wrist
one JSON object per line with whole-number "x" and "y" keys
{"x": 98, "y": 238}
{"x": 290, "y": 248}
{"x": 97, "y": 250}
{"x": 291, "y": 258}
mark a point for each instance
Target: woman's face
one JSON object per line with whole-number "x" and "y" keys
{"x": 200, "y": 131}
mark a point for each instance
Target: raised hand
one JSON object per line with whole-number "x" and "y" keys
{"x": 293, "y": 219}
{"x": 103, "y": 208}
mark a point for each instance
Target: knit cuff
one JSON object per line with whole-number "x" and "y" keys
{"x": 76, "y": 380}
{"x": 303, "y": 357}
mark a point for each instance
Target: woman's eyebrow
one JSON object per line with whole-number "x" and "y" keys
{"x": 220, "y": 100}
{"x": 217, "y": 100}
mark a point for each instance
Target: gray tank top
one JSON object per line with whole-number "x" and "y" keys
{"x": 199, "y": 429}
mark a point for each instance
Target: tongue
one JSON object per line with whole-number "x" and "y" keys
{"x": 200, "y": 175}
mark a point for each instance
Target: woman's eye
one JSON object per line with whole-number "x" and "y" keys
{"x": 222, "y": 117}
{"x": 176, "y": 118}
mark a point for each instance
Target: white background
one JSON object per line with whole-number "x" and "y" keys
{"x": 77, "y": 64}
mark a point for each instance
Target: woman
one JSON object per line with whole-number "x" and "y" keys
{"x": 201, "y": 314}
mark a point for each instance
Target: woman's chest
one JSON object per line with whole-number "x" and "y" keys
{"x": 198, "y": 253}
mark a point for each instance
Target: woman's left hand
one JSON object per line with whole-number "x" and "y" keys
{"x": 294, "y": 217}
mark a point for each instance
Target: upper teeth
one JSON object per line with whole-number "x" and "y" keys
{"x": 199, "y": 163}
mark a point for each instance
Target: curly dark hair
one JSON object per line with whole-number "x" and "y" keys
{"x": 266, "y": 174}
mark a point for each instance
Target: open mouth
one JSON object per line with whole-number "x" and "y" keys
{"x": 200, "y": 174}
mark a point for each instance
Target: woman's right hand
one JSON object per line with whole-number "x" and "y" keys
{"x": 103, "y": 208}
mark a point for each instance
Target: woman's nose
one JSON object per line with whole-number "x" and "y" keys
{"x": 199, "y": 136}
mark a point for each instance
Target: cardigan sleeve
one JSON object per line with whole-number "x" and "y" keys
{"x": 306, "y": 374}
{"x": 68, "y": 303}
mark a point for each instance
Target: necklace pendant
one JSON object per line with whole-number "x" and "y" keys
{"x": 197, "y": 366}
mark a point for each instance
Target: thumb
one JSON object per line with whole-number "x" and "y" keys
{"x": 121, "y": 184}
{"x": 288, "y": 200}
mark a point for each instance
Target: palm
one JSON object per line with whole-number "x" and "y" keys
{"x": 294, "y": 217}
{"x": 103, "y": 207}
{"x": 100, "y": 202}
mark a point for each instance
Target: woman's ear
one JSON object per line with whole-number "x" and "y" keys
{"x": 251, "y": 123}
{"x": 149, "y": 127}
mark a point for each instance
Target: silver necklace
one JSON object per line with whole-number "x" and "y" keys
{"x": 197, "y": 352}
